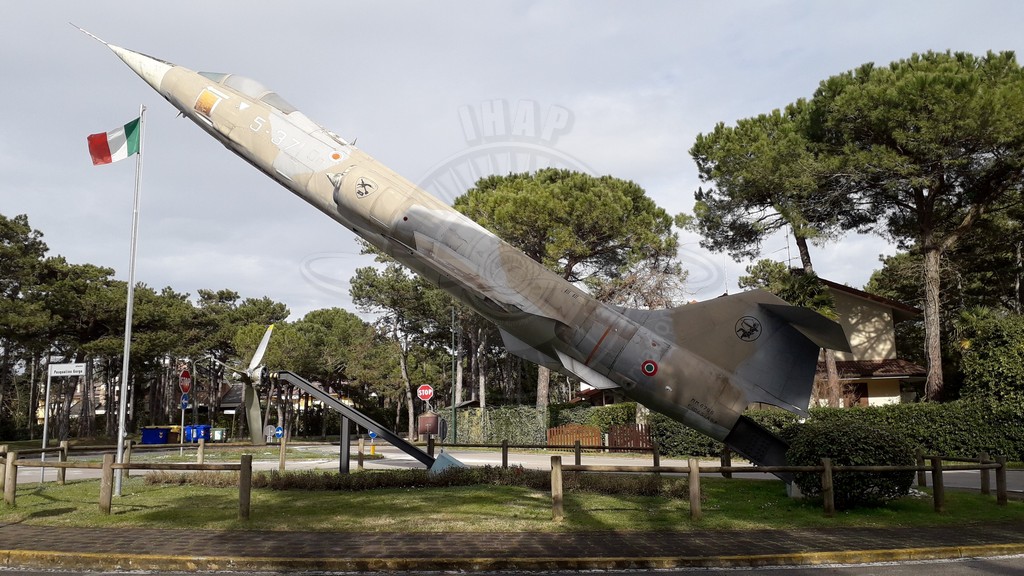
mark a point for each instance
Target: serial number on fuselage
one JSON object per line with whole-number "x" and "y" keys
{"x": 702, "y": 409}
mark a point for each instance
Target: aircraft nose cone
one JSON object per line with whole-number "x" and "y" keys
{"x": 148, "y": 68}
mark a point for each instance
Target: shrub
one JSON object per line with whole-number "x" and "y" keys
{"x": 603, "y": 417}
{"x": 962, "y": 429}
{"x": 329, "y": 480}
{"x": 676, "y": 439}
{"x": 852, "y": 443}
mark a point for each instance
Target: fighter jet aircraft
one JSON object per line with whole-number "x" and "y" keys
{"x": 701, "y": 364}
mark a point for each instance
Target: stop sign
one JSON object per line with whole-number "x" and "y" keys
{"x": 185, "y": 381}
{"x": 425, "y": 392}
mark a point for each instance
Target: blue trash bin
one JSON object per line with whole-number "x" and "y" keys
{"x": 154, "y": 435}
{"x": 196, "y": 432}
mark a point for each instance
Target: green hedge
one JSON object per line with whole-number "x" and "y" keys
{"x": 528, "y": 425}
{"x": 675, "y": 439}
{"x": 604, "y": 417}
{"x": 517, "y": 424}
{"x": 961, "y": 429}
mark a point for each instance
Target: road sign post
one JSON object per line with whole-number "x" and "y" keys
{"x": 181, "y": 431}
{"x": 59, "y": 371}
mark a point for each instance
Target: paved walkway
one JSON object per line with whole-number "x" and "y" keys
{"x": 147, "y": 549}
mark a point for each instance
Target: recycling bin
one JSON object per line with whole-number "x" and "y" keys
{"x": 154, "y": 435}
{"x": 173, "y": 434}
{"x": 218, "y": 434}
{"x": 196, "y": 432}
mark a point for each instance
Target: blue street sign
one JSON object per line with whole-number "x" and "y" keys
{"x": 372, "y": 434}
{"x": 278, "y": 432}
{"x": 184, "y": 401}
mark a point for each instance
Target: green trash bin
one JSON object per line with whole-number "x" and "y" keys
{"x": 218, "y": 434}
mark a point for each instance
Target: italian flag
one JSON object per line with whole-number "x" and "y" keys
{"x": 107, "y": 147}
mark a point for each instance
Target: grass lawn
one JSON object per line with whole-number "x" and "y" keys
{"x": 727, "y": 505}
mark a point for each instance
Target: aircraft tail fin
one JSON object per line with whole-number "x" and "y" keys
{"x": 770, "y": 348}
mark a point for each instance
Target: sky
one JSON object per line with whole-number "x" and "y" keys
{"x": 441, "y": 92}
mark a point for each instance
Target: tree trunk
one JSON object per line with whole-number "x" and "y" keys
{"x": 32, "y": 400}
{"x": 86, "y": 412}
{"x": 543, "y": 387}
{"x": 457, "y": 393}
{"x": 932, "y": 326}
{"x": 3, "y": 373}
{"x": 805, "y": 253}
{"x": 482, "y": 370}
{"x": 1017, "y": 288}
{"x": 832, "y": 391}
{"x": 110, "y": 400}
{"x": 67, "y": 399}
{"x": 403, "y": 361}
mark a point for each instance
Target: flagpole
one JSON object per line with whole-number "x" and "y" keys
{"x": 123, "y": 408}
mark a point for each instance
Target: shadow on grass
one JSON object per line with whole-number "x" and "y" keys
{"x": 50, "y": 513}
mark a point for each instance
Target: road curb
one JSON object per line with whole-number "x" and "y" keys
{"x": 95, "y": 561}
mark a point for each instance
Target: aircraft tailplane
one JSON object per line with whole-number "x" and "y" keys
{"x": 770, "y": 348}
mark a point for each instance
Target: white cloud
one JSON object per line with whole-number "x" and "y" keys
{"x": 641, "y": 79}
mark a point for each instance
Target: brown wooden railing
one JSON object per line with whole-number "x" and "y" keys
{"x": 12, "y": 461}
{"x": 826, "y": 469}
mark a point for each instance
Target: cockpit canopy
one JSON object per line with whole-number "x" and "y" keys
{"x": 252, "y": 89}
{"x": 257, "y": 91}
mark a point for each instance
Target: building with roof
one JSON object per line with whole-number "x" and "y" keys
{"x": 871, "y": 374}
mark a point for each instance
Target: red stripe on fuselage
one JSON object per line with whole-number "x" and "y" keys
{"x": 596, "y": 346}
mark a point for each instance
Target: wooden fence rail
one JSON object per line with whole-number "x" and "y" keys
{"x": 244, "y": 468}
{"x": 578, "y": 448}
{"x": 827, "y": 470}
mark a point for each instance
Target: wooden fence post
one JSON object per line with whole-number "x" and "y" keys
{"x": 938, "y": 489}
{"x": 656, "y": 451}
{"x": 10, "y": 478}
{"x": 201, "y": 451}
{"x": 726, "y": 460}
{"x": 63, "y": 457}
{"x": 244, "y": 486}
{"x": 3, "y": 477}
{"x": 127, "y": 457}
{"x": 359, "y": 455}
{"x": 922, "y": 477}
{"x": 504, "y": 453}
{"x": 430, "y": 445}
{"x": 557, "y": 511}
{"x": 828, "y": 492}
{"x": 986, "y": 484}
{"x": 1001, "y": 481}
{"x": 107, "y": 483}
{"x": 694, "y": 482}
{"x": 579, "y": 453}
{"x": 281, "y": 456}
